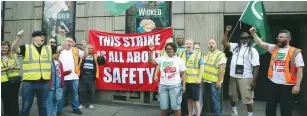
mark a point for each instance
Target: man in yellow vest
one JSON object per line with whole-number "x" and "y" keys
{"x": 37, "y": 59}
{"x": 215, "y": 63}
{"x": 70, "y": 59}
{"x": 195, "y": 67}
{"x": 285, "y": 72}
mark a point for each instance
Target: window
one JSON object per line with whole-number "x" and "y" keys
{"x": 59, "y": 19}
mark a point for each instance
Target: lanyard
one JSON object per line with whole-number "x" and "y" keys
{"x": 243, "y": 55}
{"x": 210, "y": 55}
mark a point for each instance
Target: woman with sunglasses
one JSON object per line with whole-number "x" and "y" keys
{"x": 10, "y": 80}
{"x": 172, "y": 71}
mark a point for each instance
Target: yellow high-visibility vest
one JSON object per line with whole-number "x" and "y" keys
{"x": 192, "y": 65}
{"x": 211, "y": 70}
{"x": 5, "y": 75}
{"x": 163, "y": 53}
{"x": 35, "y": 65}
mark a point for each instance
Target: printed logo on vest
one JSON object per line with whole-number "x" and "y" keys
{"x": 44, "y": 56}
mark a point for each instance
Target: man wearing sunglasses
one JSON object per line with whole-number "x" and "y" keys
{"x": 52, "y": 42}
{"x": 285, "y": 72}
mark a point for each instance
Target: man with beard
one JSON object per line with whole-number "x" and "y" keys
{"x": 195, "y": 67}
{"x": 244, "y": 68}
{"x": 285, "y": 72}
{"x": 37, "y": 59}
{"x": 215, "y": 63}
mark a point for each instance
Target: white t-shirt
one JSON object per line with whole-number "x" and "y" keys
{"x": 66, "y": 57}
{"x": 279, "y": 65}
{"x": 170, "y": 68}
{"x": 243, "y": 57}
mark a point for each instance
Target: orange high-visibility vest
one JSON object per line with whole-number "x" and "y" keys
{"x": 75, "y": 54}
{"x": 97, "y": 67}
{"x": 290, "y": 67}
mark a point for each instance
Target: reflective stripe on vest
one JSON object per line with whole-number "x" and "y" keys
{"x": 35, "y": 65}
{"x": 192, "y": 65}
{"x": 5, "y": 75}
{"x": 290, "y": 67}
{"x": 97, "y": 67}
{"x": 211, "y": 69}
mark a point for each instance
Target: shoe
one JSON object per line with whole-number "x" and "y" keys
{"x": 78, "y": 112}
{"x": 81, "y": 106}
{"x": 91, "y": 107}
{"x": 59, "y": 113}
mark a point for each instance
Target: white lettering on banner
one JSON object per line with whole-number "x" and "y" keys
{"x": 137, "y": 57}
{"x": 148, "y": 12}
{"x": 138, "y": 41}
{"x": 116, "y": 57}
{"x": 120, "y": 75}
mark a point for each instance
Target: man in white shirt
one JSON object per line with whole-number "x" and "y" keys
{"x": 244, "y": 68}
{"x": 285, "y": 73}
{"x": 70, "y": 57}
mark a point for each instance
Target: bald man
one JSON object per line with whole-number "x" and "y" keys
{"x": 215, "y": 63}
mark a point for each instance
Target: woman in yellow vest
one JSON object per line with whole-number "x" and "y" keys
{"x": 10, "y": 80}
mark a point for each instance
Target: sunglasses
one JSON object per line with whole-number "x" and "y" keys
{"x": 197, "y": 48}
{"x": 52, "y": 42}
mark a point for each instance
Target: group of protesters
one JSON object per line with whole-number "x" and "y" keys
{"x": 50, "y": 71}
{"x": 184, "y": 69}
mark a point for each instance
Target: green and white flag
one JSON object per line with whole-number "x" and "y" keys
{"x": 117, "y": 8}
{"x": 255, "y": 15}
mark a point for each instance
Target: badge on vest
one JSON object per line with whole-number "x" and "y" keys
{"x": 239, "y": 69}
{"x": 44, "y": 56}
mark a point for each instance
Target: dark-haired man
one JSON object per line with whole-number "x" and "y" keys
{"x": 244, "y": 68}
{"x": 37, "y": 59}
{"x": 70, "y": 59}
{"x": 285, "y": 72}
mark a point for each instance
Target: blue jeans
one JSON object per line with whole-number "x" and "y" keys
{"x": 52, "y": 103}
{"x": 172, "y": 93}
{"x": 31, "y": 89}
{"x": 216, "y": 99}
{"x": 72, "y": 87}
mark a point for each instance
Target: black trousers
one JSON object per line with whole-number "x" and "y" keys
{"x": 87, "y": 89}
{"x": 184, "y": 104}
{"x": 281, "y": 94}
{"x": 9, "y": 96}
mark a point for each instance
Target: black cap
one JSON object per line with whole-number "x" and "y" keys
{"x": 245, "y": 35}
{"x": 38, "y": 33}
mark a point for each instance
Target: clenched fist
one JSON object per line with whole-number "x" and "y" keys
{"x": 228, "y": 28}
{"x": 20, "y": 33}
{"x": 252, "y": 30}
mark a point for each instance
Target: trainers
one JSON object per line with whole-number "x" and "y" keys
{"x": 81, "y": 106}
{"x": 78, "y": 112}
{"x": 91, "y": 107}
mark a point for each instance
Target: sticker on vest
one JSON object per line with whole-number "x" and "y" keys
{"x": 280, "y": 65}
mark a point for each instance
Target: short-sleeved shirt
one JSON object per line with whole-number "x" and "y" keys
{"x": 66, "y": 57}
{"x": 279, "y": 65}
{"x": 246, "y": 56}
{"x": 170, "y": 68}
{"x": 39, "y": 49}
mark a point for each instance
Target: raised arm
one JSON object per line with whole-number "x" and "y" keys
{"x": 62, "y": 46}
{"x": 150, "y": 58}
{"x": 225, "y": 37}
{"x": 264, "y": 45}
{"x": 15, "y": 45}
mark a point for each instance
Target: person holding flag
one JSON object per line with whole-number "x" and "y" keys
{"x": 244, "y": 68}
{"x": 285, "y": 72}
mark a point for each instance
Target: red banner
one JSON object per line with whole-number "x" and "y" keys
{"x": 126, "y": 65}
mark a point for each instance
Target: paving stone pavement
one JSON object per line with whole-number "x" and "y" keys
{"x": 121, "y": 109}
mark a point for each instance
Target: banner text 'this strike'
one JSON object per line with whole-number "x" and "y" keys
{"x": 137, "y": 41}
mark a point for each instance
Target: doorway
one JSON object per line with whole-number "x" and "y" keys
{"x": 297, "y": 25}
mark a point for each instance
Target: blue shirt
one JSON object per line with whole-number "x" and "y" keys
{"x": 201, "y": 61}
{"x": 181, "y": 49}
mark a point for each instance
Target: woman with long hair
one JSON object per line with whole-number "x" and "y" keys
{"x": 10, "y": 80}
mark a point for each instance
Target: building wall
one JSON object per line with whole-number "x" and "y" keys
{"x": 199, "y": 20}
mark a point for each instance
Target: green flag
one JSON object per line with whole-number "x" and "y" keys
{"x": 255, "y": 15}
{"x": 117, "y": 8}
